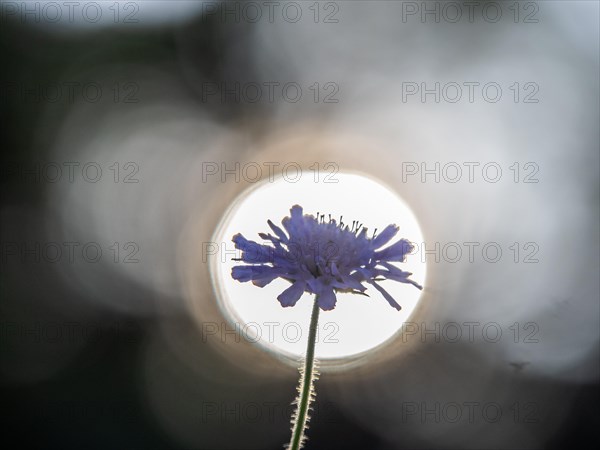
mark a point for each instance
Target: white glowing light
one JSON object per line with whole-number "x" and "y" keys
{"x": 357, "y": 324}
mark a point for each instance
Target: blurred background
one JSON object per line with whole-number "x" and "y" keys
{"x": 130, "y": 128}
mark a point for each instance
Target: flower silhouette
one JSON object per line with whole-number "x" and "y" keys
{"x": 322, "y": 257}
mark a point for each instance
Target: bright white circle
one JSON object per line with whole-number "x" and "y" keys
{"x": 358, "y": 323}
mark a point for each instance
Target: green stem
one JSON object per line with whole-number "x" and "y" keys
{"x": 306, "y": 383}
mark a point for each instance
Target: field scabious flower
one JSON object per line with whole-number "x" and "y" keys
{"x": 322, "y": 257}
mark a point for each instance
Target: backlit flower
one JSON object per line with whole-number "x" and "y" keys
{"x": 322, "y": 257}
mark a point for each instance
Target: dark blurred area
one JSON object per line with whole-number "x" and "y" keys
{"x": 105, "y": 126}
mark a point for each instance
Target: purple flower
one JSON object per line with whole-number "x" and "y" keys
{"x": 322, "y": 257}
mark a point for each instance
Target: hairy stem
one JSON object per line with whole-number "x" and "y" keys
{"x": 306, "y": 387}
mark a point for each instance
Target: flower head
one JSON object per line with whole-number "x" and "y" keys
{"x": 322, "y": 257}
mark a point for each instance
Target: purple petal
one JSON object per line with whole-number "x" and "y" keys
{"x": 296, "y": 212}
{"x": 241, "y": 243}
{"x": 348, "y": 283}
{"x": 294, "y": 224}
{"x": 393, "y": 273}
{"x": 385, "y": 236}
{"x": 278, "y": 232}
{"x": 395, "y": 252}
{"x": 291, "y": 295}
{"x": 387, "y": 296}
{"x": 334, "y": 270}
{"x": 259, "y": 275}
{"x": 253, "y": 252}
{"x": 263, "y": 281}
{"x": 327, "y": 299}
